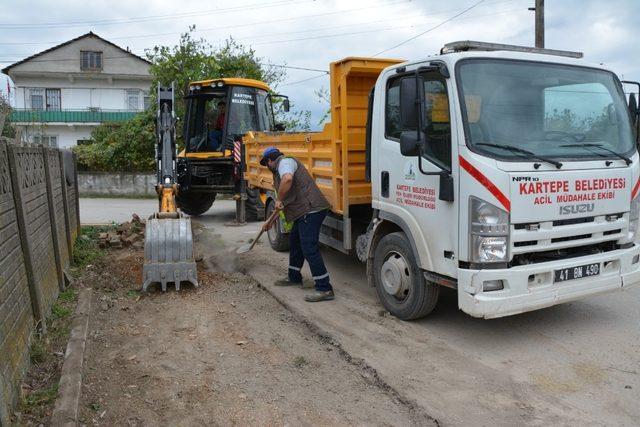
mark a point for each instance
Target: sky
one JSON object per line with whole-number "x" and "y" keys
{"x": 313, "y": 33}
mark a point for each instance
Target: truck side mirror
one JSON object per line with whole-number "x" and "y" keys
{"x": 411, "y": 96}
{"x": 286, "y": 106}
{"x": 633, "y": 105}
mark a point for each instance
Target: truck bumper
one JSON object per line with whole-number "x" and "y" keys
{"x": 530, "y": 287}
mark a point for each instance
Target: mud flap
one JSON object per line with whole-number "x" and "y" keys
{"x": 168, "y": 253}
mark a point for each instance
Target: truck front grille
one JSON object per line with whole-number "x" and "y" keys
{"x": 549, "y": 236}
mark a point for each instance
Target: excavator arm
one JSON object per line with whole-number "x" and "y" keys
{"x": 168, "y": 246}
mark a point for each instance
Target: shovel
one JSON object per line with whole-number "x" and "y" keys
{"x": 248, "y": 246}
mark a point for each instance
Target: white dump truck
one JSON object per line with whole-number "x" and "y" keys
{"x": 508, "y": 173}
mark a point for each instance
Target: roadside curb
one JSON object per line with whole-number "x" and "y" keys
{"x": 421, "y": 417}
{"x": 65, "y": 412}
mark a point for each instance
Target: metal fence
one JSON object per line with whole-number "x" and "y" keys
{"x": 39, "y": 222}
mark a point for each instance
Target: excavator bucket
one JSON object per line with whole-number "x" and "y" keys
{"x": 168, "y": 252}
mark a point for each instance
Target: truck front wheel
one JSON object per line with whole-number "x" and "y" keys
{"x": 400, "y": 284}
{"x": 277, "y": 238}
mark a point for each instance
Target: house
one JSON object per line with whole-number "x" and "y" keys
{"x": 62, "y": 93}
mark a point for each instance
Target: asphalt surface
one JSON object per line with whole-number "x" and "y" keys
{"x": 576, "y": 363}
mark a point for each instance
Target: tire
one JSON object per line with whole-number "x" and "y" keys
{"x": 195, "y": 204}
{"x": 254, "y": 208}
{"x": 400, "y": 284}
{"x": 277, "y": 238}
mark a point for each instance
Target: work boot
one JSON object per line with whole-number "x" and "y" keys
{"x": 318, "y": 296}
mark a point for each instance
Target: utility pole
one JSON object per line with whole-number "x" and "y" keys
{"x": 539, "y": 9}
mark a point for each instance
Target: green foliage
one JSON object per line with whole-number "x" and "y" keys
{"x": 126, "y": 146}
{"x": 86, "y": 250}
{"x": 5, "y": 110}
{"x": 39, "y": 398}
{"x": 59, "y": 312}
{"x": 38, "y": 351}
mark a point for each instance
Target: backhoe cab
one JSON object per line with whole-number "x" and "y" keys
{"x": 218, "y": 113}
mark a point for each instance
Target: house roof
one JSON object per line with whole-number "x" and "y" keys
{"x": 89, "y": 34}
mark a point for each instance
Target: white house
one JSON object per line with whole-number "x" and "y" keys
{"x": 62, "y": 93}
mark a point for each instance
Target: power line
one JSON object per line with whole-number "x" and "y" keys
{"x": 151, "y": 17}
{"x": 431, "y": 29}
{"x": 325, "y": 35}
{"x": 305, "y": 80}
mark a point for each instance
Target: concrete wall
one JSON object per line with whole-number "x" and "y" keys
{"x": 38, "y": 225}
{"x": 116, "y": 184}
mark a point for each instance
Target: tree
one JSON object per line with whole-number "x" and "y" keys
{"x": 5, "y": 110}
{"x": 120, "y": 146}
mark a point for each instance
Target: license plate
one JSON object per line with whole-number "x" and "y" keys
{"x": 579, "y": 272}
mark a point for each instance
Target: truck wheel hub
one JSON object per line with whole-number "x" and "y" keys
{"x": 395, "y": 275}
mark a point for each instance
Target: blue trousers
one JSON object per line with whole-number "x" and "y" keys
{"x": 303, "y": 242}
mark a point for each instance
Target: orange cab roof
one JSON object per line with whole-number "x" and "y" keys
{"x": 234, "y": 82}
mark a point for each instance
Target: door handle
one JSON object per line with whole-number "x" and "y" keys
{"x": 384, "y": 184}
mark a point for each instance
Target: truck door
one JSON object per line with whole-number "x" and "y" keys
{"x": 405, "y": 191}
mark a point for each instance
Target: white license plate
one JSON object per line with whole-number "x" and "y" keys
{"x": 578, "y": 272}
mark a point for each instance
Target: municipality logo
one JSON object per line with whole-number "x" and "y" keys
{"x": 409, "y": 173}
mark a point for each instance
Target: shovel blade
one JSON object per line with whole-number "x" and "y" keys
{"x": 244, "y": 248}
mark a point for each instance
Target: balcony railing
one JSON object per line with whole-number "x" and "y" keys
{"x": 70, "y": 116}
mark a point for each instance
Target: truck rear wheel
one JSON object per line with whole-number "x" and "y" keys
{"x": 195, "y": 204}
{"x": 277, "y": 238}
{"x": 254, "y": 208}
{"x": 400, "y": 284}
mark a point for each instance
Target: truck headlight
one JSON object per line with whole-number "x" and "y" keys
{"x": 489, "y": 227}
{"x": 634, "y": 220}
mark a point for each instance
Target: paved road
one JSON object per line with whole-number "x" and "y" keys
{"x": 574, "y": 363}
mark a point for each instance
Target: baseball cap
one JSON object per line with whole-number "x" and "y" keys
{"x": 269, "y": 153}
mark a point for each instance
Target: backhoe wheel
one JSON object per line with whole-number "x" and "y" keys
{"x": 254, "y": 208}
{"x": 195, "y": 204}
{"x": 400, "y": 284}
{"x": 277, "y": 238}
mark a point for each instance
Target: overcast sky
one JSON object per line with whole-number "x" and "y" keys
{"x": 312, "y": 33}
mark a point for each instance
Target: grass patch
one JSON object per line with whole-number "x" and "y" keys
{"x": 86, "y": 250}
{"x": 68, "y": 295}
{"x": 300, "y": 362}
{"x": 60, "y": 312}
{"x": 34, "y": 401}
{"x": 38, "y": 351}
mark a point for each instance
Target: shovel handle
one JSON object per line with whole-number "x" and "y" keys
{"x": 269, "y": 220}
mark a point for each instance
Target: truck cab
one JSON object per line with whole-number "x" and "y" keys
{"x": 512, "y": 174}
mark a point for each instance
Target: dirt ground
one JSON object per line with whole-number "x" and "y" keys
{"x": 226, "y": 353}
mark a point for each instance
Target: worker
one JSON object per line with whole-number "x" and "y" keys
{"x": 215, "y": 135}
{"x": 305, "y": 206}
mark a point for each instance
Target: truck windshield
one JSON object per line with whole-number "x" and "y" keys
{"x": 555, "y": 111}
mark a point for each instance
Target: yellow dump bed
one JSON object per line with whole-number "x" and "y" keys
{"x": 335, "y": 157}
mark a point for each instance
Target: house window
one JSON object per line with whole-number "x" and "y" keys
{"x": 46, "y": 140}
{"x": 146, "y": 99}
{"x": 36, "y": 98}
{"x": 53, "y": 99}
{"x": 84, "y": 141}
{"x": 90, "y": 61}
{"x": 132, "y": 101}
